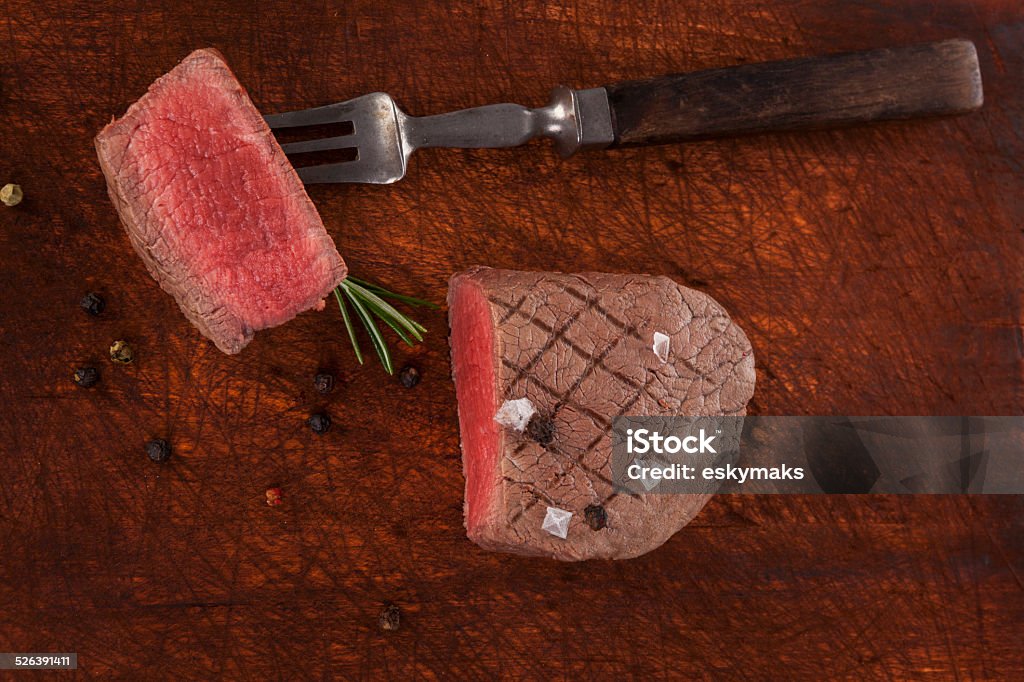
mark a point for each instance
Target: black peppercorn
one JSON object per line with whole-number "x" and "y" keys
{"x": 93, "y": 304}
{"x": 596, "y": 516}
{"x": 324, "y": 383}
{"x": 409, "y": 376}
{"x": 541, "y": 429}
{"x": 86, "y": 376}
{"x": 158, "y": 450}
{"x": 390, "y": 618}
{"x": 319, "y": 422}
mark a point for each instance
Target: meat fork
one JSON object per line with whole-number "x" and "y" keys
{"x": 797, "y": 94}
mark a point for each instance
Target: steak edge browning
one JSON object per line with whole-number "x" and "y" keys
{"x": 580, "y": 349}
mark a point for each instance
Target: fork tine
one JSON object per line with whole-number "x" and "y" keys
{"x": 376, "y": 138}
{"x": 346, "y": 171}
{"x": 332, "y": 113}
{"x": 323, "y": 144}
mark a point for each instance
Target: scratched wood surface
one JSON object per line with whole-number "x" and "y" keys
{"x": 876, "y": 271}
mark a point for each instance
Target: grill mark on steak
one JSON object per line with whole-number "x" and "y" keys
{"x": 576, "y": 462}
{"x": 534, "y": 490}
{"x": 563, "y": 398}
{"x": 535, "y": 501}
{"x": 594, "y": 305}
{"x": 596, "y": 416}
{"x": 510, "y": 310}
{"x": 530, "y": 504}
{"x": 625, "y": 329}
{"x": 592, "y": 362}
{"x": 592, "y": 365}
{"x": 556, "y": 336}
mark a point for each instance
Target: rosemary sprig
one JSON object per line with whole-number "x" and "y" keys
{"x": 348, "y": 324}
{"x": 368, "y": 302}
{"x": 388, "y": 294}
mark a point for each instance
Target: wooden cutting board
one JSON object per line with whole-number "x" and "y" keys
{"x": 876, "y": 271}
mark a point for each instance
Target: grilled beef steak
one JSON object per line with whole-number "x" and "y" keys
{"x": 213, "y": 206}
{"x": 542, "y": 362}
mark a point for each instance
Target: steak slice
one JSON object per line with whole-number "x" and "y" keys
{"x": 581, "y": 349}
{"x": 213, "y": 207}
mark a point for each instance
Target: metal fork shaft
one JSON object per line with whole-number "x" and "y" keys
{"x": 502, "y": 125}
{"x": 494, "y": 125}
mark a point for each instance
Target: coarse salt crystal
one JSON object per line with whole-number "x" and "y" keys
{"x": 556, "y": 522}
{"x": 661, "y": 343}
{"x": 648, "y": 481}
{"x": 516, "y": 414}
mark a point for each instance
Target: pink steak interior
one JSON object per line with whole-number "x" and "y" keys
{"x": 473, "y": 356}
{"x": 237, "y": 218}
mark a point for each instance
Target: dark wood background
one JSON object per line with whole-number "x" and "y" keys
{"x": 876, "y": 271}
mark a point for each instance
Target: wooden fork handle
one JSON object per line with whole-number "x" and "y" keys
{"x": 798, "y": 94}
